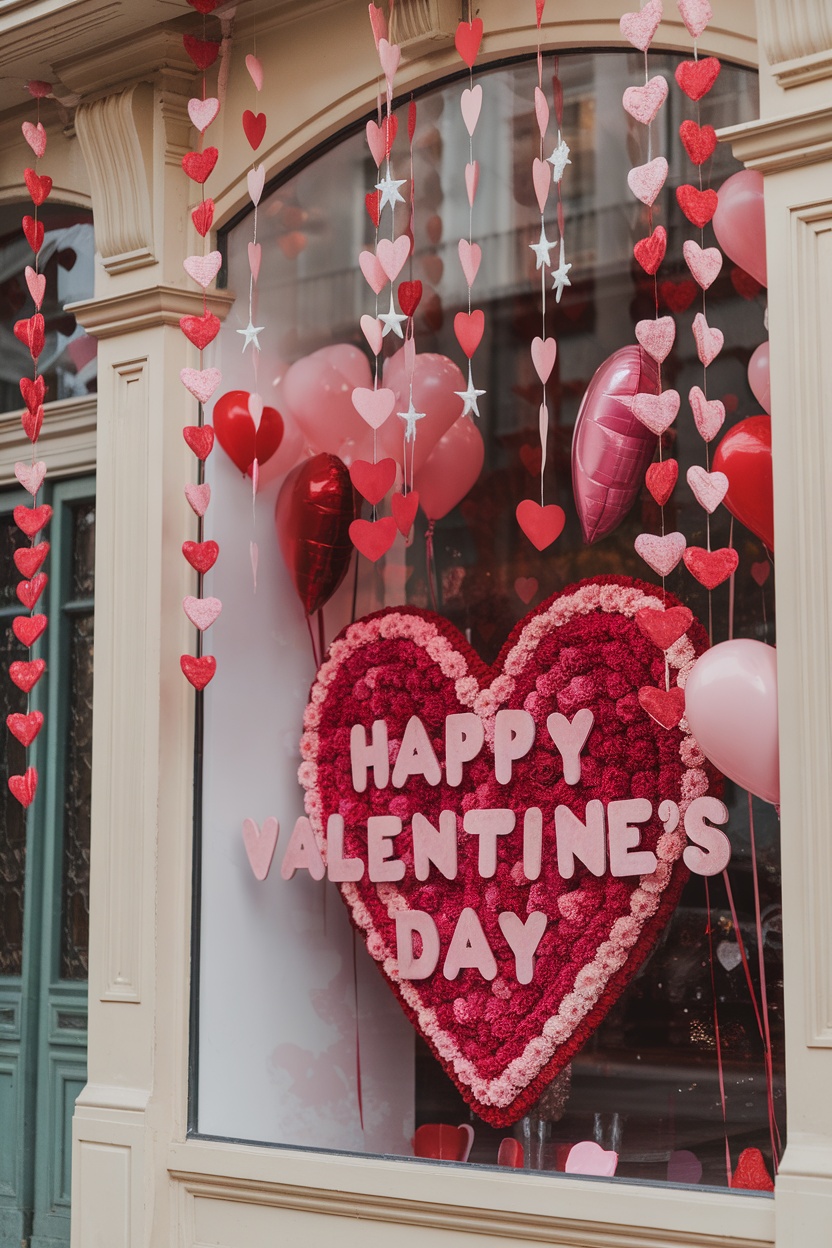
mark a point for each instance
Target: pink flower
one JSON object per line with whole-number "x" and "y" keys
{"x": 643, "y": 904}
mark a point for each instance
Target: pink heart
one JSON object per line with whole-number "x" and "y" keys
{"x": 203, "y": 269}
{"x": 657, "y": 337}
{"x": 37, "y": 285}
{"x": 255, "y": 70}
{"x": 255, "y": 255}
{"x": 639, "y": 28}
{"x": 708, "y": 415}
{"x": 199, "y": 496}
{"x": 695, "y": 14}
{"x": 470, "y": 104}
{"x": 378, "y": 21}
{"x": 35, "y": 136}
{"x": 389, "y": 54}
{"x": 541, "y": 108}
{"x": 373, "y": 332}
{"x": 705, "y": 265}
{"x": 200, "y": 382}
{"x": 392, "y": 255}
{"x": 373, "y": 271}
{"x": 761, "y": 571}
{"x": 255, "y": 411}
{"x": 657, "y": 412}
{"x": 661, "y": 553}
{"x": 201, "y": 611}
{"x": 472, "y": 180}
{"x": 544, "y": 353}
{"x": 470, "y": 255}
{"x": 708, "y": 341}
{"x": 589, "y": 1157}
{"x": 709, "y": 488}
{"x": 30, "y": 476}
{"x": 645, "y": 181}
{"x": 542, "y": 178}
{"x": 376, "y": 141}
{"x": 256, "y": 180}
{"x": 374, "y": 406}
{"x": 260, "y": 844}
{"x": 203, "y": 112}
{"x": 525, "y": 587}
{"x": 643, "y": 103}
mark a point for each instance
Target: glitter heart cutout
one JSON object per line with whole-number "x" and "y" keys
{"x": 28, "y": 592}
{"x": 646, "y": 181}
{"x": 35, "y": 136}
{"x": 39, "y": 186}
{"x": 665, "y": 706}
{"x": 27, "y": 559}
{"x": 24, "y": 787}
{"x": 30, "y": 520}
{"x": 651, "y": 251}
{"x": 203, "y": 52}
{"x": 201, "y": 555}
{"x": 202, "y": 612}
{"x": 698, "y": 141}
{"x": 203, "y": 112}
{"x": 705, "y": 264}
{"x": 661, "y": 479}
{"x": 203, "y": 216}
{"x": 662, "y": 554}
{"x": 709, "y": 488}
{"x": 33, "y": 232}
{"x": 199, "y": 671}
{"x": 708, "y": 415}
{"x": 639, "y": 28}
{"x": 664, "y": 628}
{"x": 697, "y": 77}
{"x": 30, "y": 476}
{"x": 26, "y": 674}
{"x": 200, "y": 382}
{"x": 698, "y": 206}
{"x": 643, "y": 103}
{"x": 199, "y": 165}
{"x": 199, "y": 496}
{"x": 25, "y": 727}
{"x": 28, "y": 628}
{"x": 657, "y": 337}
{"x": 200, "y": 330}
{"x": 709, "y": 341}
{"x": 710, "y": 567}
{"x": 36, "y": 282}
{"x": 203, "y": 269}
{"x": 657, "y": 412}
{"x": 695, "y": 14}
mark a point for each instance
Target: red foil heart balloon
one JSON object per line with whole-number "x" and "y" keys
{"x": 236, "y": 432}
{"x": 315, "y": 508}
{"x": 744, "y": 455}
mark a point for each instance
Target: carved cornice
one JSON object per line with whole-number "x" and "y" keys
{"x": 417, "y": 24}
{"x": 797, "y": 38}
{"x": 782, "y": 142}
{"x": 145, "y": 309}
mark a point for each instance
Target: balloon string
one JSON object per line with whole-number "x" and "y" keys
{"x": 321, "y": 641}
{"x": 357, "y": 1033}
{"x": 354, "y": 593}
{"x": 312, "y": 639}
{"x": 732, "y": 586}
{"x": 717, "y": 1036}
{"x": 431, "y": 568}
{"x": 775, "y": 1133}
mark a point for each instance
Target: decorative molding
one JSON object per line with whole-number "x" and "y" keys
{"x": 780, "y": 143}
{"x": 67, "y": 438}
{"x": 795, "y": 29}
{"x": 420, "y": 24}
{"x": 803, "y": 71}
{"x": 144, "y": 57}
{"x": 145, "y": 309}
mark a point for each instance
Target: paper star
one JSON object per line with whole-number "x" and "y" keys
{"x": 541, "y": 249}
{"x": 410, "y": 417}
{"x": 559, "y": 159}
{"x": 389, "y": 188}
{"x": 559, "y": 277}
{"x": 250, "y": 334}
{"x": 392, "y": 320}
{"x": 469, "y": 397}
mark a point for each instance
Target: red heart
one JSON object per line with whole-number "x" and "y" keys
{"x": 761, "y": 571}
{"x": 27, "y": 628}
{"x": 28, "y": 559}
{"x": 198, "y": 165}
{"x": 24, "y": 787}
{"x": 32, "y": 519}
{"x": 665, "y": 706}
{"x": 31, "y": 333}
{"x": 710, "y": 567}
{"x": 744, "y": 455}
{"x": 28, "y": 592}
{"x": 201, "y": 555}
{"x": 199, "y": 671}
{"x": 410, "y": 294}
{"x": 33, "y": 392}
{"x": 404, "y": 508}
{"x": 679, "y": 295}
{"x": 32, "y": 423}
{"x": 531, "y": 457}
{"x": 503, "y": 1041}
{"x": 664, "y": 627}
{"x": 254, "y": 127}
{"x": 203, "y": 52}
{"x": 468, "y": 39}
{"x": 200, "y": 439}
{"x": 25, "y": 727}
{"x": 698, "y": 206}
{"x": 699, "y": 141}
{"x": 751, "y": 1173}
{"x": 203, "y": 216}
{"x": 542, "y": 525}
{"x": 200, "y": 330}
{"x": 469, "y": 327}
{"x": 242, "y": 441}
{"x": 373, "y": 480}
{"x": 373, "y": 538}
{"x": 661, "y": 479}
{"x": 27, "y": 675}
{"x": 372, "y": 201}
{"x": 39, "y": 186}
{"x": 204, "y": 6}
{"x": 33, "y": 231}
{"x": 697, "y": 77}
{"x": 746, "y": 286}
{"x": 650, "y": 251}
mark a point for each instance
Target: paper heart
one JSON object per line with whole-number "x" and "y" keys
{"x": 711, "y": 567}
{"x": 27, "y": 628}
{"x": 260, "y": 844}
{"x": 25, "y": 727}
{"x": 374, "y": 274}
{"x": 39, "y": 186}
{"x": 203, "y": 217}
{"x": 27, "y": 675}
{"x": 373, "y": 538}
{"x": 664, "y": 628}
{"x": 698, "y": 206}
{"x": 468, "y": 39}
{"x": 709, "y": 341}
{"x": 202, "y": 612}
{"x": 539, "y": 1019}
{"x": 35, "y": 136}
{"x": 657, "y": 411}
{"x": 380, "y": 137}
{"x": 203, "y": 52}
{"x": 200, "y": 382}
{"x": 526, "y": 587}
{"x": 200, "y": 330}
{"x": 651, "y": 251}
{"x": 729, "y": 954}
{"x": 678, "y": 295}
{"x": 30, "y": 520}
{"x": 373, "y": 406}
{"x": 31, "y": 332}
{"x": 643, "y": 103}
{"x": 661, "y": 479}
{"x": 472, "y": 180}
{"x": 203, "y": 269}
{"x": 532, "y": 458}
{"x": 32, "y": 423}
{"x": 695, "y": 14}
{"x": 590, "y": 1158}
{"x": 254, "y": 128}
{"x": 378, "y": 21}
{"x": 201, "y": 555}
{"x": 470, "y": 105}
{"x": 657, "y": 337}
{"x": 373, "y": 480}
{"x": 665, "y": 706}
{"x": 639, "y": 28}
{"x": 761, "y": 571}
{"x": 645, "y": 181}
{"x": 372, "y": 202}
{"x": 541, "y": 110}
{"x": 662, "y": 554}
{"x": 709, "y": 488}
{"x": 470, "y": 255}
{"x": 255, "y": 70}
{"x": 389, "y": 55}
{"x": 542, "y": 179}
{"x": 27, "y": 559}
{"x": 203, "y": 112}
{"x": 28, "y": 592}
{"x": 544, "y": 352}
{"x": 705, "y": 264}
{"x": 373, "y": 331}
{"x": 541, "y": 525}
{"x": 30, "y": 476}
{"x": 697, "y": 77}
{"x": 199, "y": 165}
{"x": 24, "y": 787}
{"x": 36, "y": 283}
{"x": 255, "y": 181}
{"x": 469, "y": 328}
{"x": 199, "y": 496}
{"x": 698, "y": 141}
{"x": 708, "y": 415}
{"x": 404, "y": 508}
{"x": 33, "y": 392}
{"x": 392, "y": 255}
{"x": 410, "y": 296}
{"x": 199, "y": 671}
{"x": 33, "y": 233}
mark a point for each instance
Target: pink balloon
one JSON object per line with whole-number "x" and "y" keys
{"x": 731, "y": 706}
{"x": 758, "y": 376}
{"x": 435, "y": 382}
{"x": 318, "y": 392}
{"x": 611, "y": 450}
{"x": 740, "y": 222}
{"x": 451, "y": 469}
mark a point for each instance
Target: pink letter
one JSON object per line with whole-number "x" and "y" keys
{"x": 408, "y": 923}
{"x": 623, "y": 837}
{"x": 381, "y": 865}
{"x": 570, "y": 739}
{"x": 715, "y": 852}
{"x": 302, "y": 853}
{"x": 339, "y": 868}
{"x": 532, "y": 842}
{"x": 586, "y": 843}
{"x": 513, "y": 738}
{"x": 363, "y": 756}
{"x": 488, "y": 825}
{"x": 416, "y": 756}
{"x": 469, "y": 947}
{"x": 523, "y": 939}
{"x": 432, "y": 847}
{"x": 464, "y": 735}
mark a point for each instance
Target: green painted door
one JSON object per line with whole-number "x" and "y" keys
{"x": 44, "y": 877}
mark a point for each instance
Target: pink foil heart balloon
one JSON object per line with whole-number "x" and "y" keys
{"x": 662, "y": 554}
{"x": 260, "y": 844}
